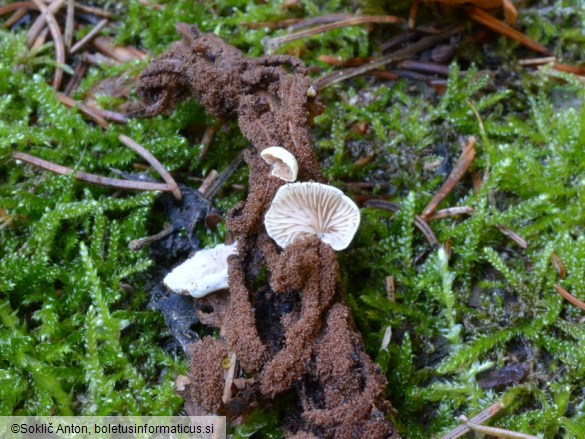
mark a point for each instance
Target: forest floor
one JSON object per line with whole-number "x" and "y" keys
{"x": 471, "y": 303}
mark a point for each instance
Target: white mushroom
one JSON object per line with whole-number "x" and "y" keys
{"x": 283, "y": 163}
{"x": 313, "y": 208}
{"x": 203, "y": 273}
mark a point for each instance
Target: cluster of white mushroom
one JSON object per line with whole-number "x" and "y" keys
{"x": 297, "y": 209}
{"x": 312, "y": 208}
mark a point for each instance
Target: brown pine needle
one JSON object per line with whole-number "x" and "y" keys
{"x": 497, "y": 432}
{"x": 39, "y": 23}
{"x": 57, "y": 38}
{"x": 273, "y": 43}
{"x": 399, "y": 55}
{"x": 121, "y": 54}
{"x": 158, "y": 167}
{"x": 513, "y": 236}
{"x": 17, "y": 15}
{"x": 419, "y": 222}
{"x": 450, "y": 211}
{"x": 211, "y": 177}
{"x": 69, "y": 23}
{"x": 500, "y": 27}
{"x": 137, "y": 244}
{"x": 92, "y": 113}
{"x": 462, "y": 165}
{"x": 93, "y": 10}
{"x": 480, "y": 418}
{"x": 570, "y": 298}
{"x": 206, "y": 139}
{"x": 92, "y": 34}
{"x": 53, "y": 27}
{"x": 92, "y": 178}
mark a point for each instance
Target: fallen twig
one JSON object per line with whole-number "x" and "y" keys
{"x": 570, "y": 298}
{"x": 92, "y": 178}
{"x": 459, "y": 169}
{"x": 158, "y": 167}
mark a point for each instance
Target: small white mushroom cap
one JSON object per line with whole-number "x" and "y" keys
{"x": 313, "y": 208}
{"x": 203, "y": 273}
{"x": 283, "y": 163}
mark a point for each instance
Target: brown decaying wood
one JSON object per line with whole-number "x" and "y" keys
{"x": 499, "y": 26}
{"x": 570, "y": 298}
{"x": 459, "y": 169}
{"x": 268, "y": 97}
{"x": 92, "y": 178}
{"x": 152, "y": 160}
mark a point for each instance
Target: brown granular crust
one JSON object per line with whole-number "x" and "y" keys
{"x": 309, "y": 265}
{"x": 286, "y": 321}
{"x": 239, "y": 326}
{"x": 208, "y": 373}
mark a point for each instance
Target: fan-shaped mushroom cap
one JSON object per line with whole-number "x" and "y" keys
{"x": 313, "y": 208}
{"x": 203, "y": 273}
{"x": 284, "y": 164}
